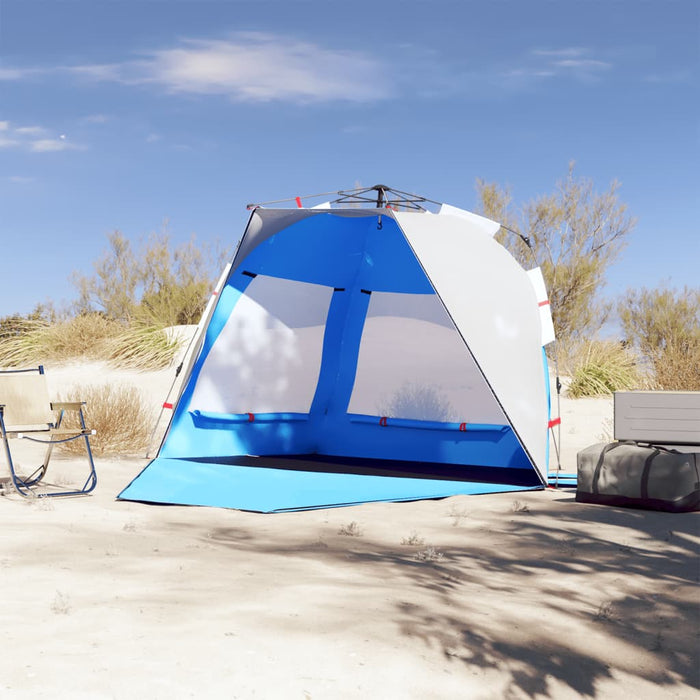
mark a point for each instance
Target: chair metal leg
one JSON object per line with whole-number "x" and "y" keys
{"x": 23, "y": 486}
{"x": 18, "y": 483}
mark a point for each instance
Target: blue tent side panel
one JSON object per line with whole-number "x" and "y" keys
{"x": 267, "y": 490}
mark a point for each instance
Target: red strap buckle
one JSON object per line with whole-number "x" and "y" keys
{"x": 553, "y": 422}
{"x": 167, "y": 405}
{"x": 251, "y": 417}
{"x": 462, "y": 427}
{"x": 382, "y": 421}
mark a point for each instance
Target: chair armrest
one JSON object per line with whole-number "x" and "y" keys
{"x": 67, "y": 405}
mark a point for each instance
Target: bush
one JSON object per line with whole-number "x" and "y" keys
{"x": 575, "y": 234}
{"x": 678, "y": 369}
{"x": 120, "y": 416}
{"x": 156, "y": 284}
{"x": 601, "y": 367}
{"x": 664, "y": 326}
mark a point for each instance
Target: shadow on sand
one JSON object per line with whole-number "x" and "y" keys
{"x": 513, "y": 597}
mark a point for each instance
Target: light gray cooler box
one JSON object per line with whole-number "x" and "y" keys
{"x": 638, "y": 476}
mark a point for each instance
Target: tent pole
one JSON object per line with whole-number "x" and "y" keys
{"x": 380, "y": 195}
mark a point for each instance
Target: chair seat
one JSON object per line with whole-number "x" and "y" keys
{"x": 26, "y": 412}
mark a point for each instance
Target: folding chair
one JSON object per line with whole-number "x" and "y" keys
{"x": 26, "y": 413}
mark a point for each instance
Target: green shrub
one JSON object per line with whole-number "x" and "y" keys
{"x": 155, "y": 284}
{"x": 575, "y": 233}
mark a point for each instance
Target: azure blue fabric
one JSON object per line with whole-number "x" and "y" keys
{"x": 266, "y": 490}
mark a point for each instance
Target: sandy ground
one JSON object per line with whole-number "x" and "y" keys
{"x": 503, "y": 596}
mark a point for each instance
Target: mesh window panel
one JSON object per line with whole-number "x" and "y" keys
{"x": 414, "y": 364}
{"x": 268, "y": 356}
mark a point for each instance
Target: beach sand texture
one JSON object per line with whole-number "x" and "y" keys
{"x": 527, "y": 595}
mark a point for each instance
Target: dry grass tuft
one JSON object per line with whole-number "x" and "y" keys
{"x": 413, "y": 540}
{"x": 118, "y": 414}
{"x": 518, "y": 507}
{"x": 601, "y": 367}
{"x": 142, "y": 347}
{"x": 429, "y": 554}
{"x": 36, "y": 341}
{"x": 352, "y": 529}
{"x": 89, "y": 336}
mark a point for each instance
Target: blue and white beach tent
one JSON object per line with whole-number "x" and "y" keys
{"x": 361, "y": 352}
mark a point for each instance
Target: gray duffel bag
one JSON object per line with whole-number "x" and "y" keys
{"x": 638, "y": 476}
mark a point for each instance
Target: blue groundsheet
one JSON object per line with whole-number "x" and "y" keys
{"x": 268, "y": 489}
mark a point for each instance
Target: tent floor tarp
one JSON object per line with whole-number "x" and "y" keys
{"x": 305, "y": 482}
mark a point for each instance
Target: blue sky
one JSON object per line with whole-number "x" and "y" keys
{"x": 122, "y": 114}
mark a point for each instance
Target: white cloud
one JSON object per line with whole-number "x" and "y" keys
{"x": 569, "y": 52}
{"x": 582, "y": 63}
{"x": 16, "y": 73}
{"x": 252, "y": 67}
{"x": 262, "y": 67}
{"x": 30, "y": 131}
{"x": 46, "y": 145}
{"x": 36, "y": 139}
{"x": 568, "y": 62}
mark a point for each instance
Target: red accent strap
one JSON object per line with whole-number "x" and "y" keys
{"x": 553, "y": 422}
{"x": 462, "y": 427}
{"x": 298, "y": 201}
{"x": 215, "y": 293}
{"x": 544, "y": 303}
{"x": 251, "y": 417}
{"x": 167, "y": 405}
{"x": 382, "y": 421}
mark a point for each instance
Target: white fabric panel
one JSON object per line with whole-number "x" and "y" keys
{"x": 540, "y": 288}
{"x": 493, "y": 304}
{"x": 413, "y": 364}
{"x": 268, "y": 355}
{"x": 482, "y": 223}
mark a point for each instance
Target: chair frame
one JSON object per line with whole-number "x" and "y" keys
{"x": 25, "y": 485}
